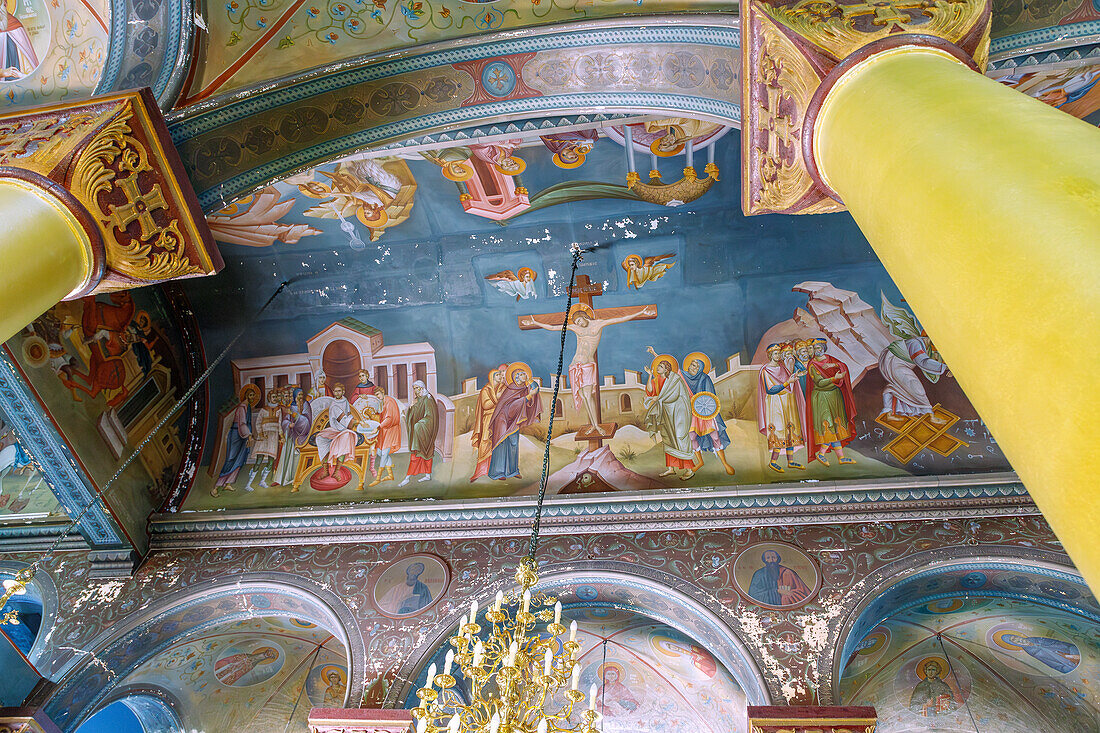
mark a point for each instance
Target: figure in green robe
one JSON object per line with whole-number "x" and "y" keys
{"x": 422, "y": 424}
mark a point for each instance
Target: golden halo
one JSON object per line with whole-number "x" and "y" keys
{"x": 581, "y": 308}
{"x": 999, "y": 639}
{"x": 517, "y": 366}
{"x": 944, "y": 668}
{"x": 494, "y": 371}
{"x": 700, "y": 356}
{"x": 457, "y": 170}
{"x": 520, "y": 164}
{"x": 534, "y": 275}
{"x": 575, "y": 164}
{"x": 332, "y": 667}
{"x": 653, "y": 148}
{"x": 665, "y": 357}
{"x": 637, "y": 260}
{"x": 35, "y": 351}
{"x": 611, "y": 665}
{"x": 372, "y": 219}
{"x": 879, "y": 640}
{"x": 246, "y": 390}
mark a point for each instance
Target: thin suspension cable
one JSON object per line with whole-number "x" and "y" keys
{"x": 100, "y": 493}
{"x": 553, "y": 406}
{"x": 951, "y": 671}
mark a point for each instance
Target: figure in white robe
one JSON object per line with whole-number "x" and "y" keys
{"x": 904, "y": 393}
{"x": 668, "y": 412}
{"x": 337, "y": 441}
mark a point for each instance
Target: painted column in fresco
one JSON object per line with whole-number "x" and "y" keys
{"x": 93, "y": 199}
{"x": 983, "y": 204}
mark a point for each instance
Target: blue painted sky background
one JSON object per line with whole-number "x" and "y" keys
{"x": 424, "y": 279}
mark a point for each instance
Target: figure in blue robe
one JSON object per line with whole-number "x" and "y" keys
{"x": 420, "y": 595}
{"x": 699, "y": 381}
{"x": 1061, "y": 656}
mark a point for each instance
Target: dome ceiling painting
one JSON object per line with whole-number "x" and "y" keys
{"x": 966, "y": 663}
{"x": 253, "y": 675}
{"x": 648, "y": 676}
{"x": 425, "y": 307}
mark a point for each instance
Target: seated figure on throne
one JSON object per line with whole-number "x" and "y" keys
{"x": 337, "y": 441}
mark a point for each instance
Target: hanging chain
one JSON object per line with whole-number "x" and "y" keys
{"x": 553, "y": 406}
{"x": 100, "y": 493}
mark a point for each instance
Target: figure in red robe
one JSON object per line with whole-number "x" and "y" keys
{"x": 830, "y": 406}
{"x": 365, "y": 388}
{"x": 235, "y": 666}
{"x": 103, "y": 326}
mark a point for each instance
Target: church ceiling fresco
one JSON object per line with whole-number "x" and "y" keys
{"x": 1072, "y": 87}
{"x": 24, "y": 493}
{"x": 55, "y": 49}
{"x": 962, "y": 663}
{"x": 252, "y": 41}
{"x": 673, "y": 577}
{"x": 413, "y": 287}
{"x": 107, "y": 368}
{"x": 255, "y": 675}
{"x": 648, "y": 676}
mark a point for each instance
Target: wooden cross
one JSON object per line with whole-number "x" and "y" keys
{"x": 584, "y": 291}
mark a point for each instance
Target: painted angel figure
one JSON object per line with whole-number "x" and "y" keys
{"x": 521, "y": 284}
{"x": 640, "y": 271}
{"x": 911, "y": 350}
{"x": 379, "y": 193}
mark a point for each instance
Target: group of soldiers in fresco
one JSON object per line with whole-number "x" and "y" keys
{"x": 804, "y": 398}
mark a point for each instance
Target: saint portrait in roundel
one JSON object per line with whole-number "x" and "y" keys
{"x": 408, "y": 586}
{"x": 776, "y": 575}
{"x": 327, "y": 685}
{"x": 24, "y": 37}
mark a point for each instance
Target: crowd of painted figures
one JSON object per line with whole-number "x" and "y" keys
{"x": 804, "y": 398}
{"x": 339, "y": 424}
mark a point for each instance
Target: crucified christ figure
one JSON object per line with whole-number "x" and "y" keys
{"x": 583, "y": 374}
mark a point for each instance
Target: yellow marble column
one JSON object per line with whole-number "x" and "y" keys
{"x": 47, "y": 252}
{"x": 984, "y": 206}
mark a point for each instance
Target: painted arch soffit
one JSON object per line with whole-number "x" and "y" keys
{"x": 74, "y": 49}
{"x": 86, "y": 681}
{"x": 685, "y": 65}
{"x": 931, "y": 580}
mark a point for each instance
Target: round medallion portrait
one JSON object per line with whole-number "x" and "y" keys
{"x": 411, "y": 585}
{"x": 776, "y": 575}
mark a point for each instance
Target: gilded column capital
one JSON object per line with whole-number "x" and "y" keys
{"x": 111, "y": 162}
{"x": 794, "y": 52}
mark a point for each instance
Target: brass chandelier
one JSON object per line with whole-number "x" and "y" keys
{"x": 520, "y": 678}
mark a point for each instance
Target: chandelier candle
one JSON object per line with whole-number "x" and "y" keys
{"x": 520, "y": 678}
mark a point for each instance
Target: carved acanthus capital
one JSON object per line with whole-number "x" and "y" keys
{"x": 113, "y": 157}
{"x": 792, "y": 52}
